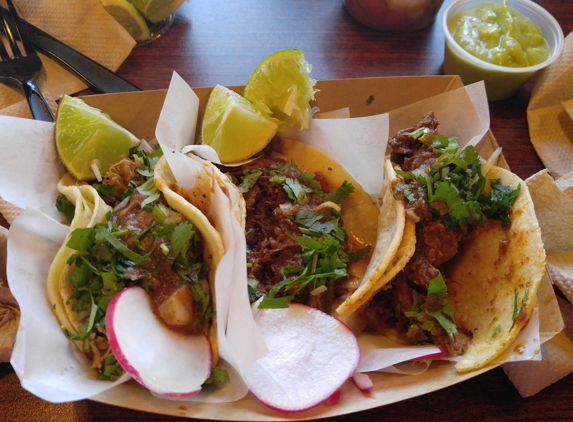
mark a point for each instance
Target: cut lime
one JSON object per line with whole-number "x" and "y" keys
{"x": 234, "y": 127}
{"x": 86, "y": 137}
{"x": 156, "y": 10}
{"x": 128, "y": 17}
{"x": 282, "y": 82}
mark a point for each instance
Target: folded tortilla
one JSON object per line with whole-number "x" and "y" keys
{"x": 90, "y": 209}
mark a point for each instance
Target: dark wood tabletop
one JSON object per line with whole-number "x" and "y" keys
{"x": 221, "y": 42}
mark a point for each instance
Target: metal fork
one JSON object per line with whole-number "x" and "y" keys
{"x": 22, "y": 68}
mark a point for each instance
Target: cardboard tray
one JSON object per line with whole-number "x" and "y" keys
{"x": 139, "y": 112}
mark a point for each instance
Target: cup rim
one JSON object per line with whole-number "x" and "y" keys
{"x": 494, "y": 67}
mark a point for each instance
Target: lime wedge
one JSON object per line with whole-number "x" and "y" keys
{"x": 85, "y": 137}
{"x": 234, "y": 127}
{"x": 156, "y": 10}
{"x": 282, "y": 82}
{"x": 128, "y": 17}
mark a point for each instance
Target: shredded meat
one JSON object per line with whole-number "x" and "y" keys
{"x": 121, "y": 174}
{"x": 268, "y": 229}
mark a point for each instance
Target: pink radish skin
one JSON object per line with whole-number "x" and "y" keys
{"x": 311, "y": 355}
{"x": 334, "y": 398}
{"x": 443, "y": 352}
{"x": 168, "y": 363}
{"x": 362, "y": 381}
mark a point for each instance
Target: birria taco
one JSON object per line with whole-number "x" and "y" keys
{"x": 309, "y": 226}
{"x": 463, "y": 258}
{"x": 135, "y": 228}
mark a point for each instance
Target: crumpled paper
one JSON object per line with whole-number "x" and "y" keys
{"x": 82, "y": 24}
{"x": 557, "y": 360}
{"x": 550, "y": 113}
{"x": 553, "y": 201}
{"x": 9, "y": 311}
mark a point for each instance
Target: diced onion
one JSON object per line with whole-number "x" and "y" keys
{"x": 412, "y": 215}
{"x": 95, "y": 169}
{"x": 122, "y": 204}
{"x": 491, "y": 161}
{"x": 288, "y": 209}
{"x": 144, "y": 146}
{"x": 318, "y": 290}
{"x": 328, "y": 204}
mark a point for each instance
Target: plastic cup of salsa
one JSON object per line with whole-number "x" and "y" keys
{"x": 501, "y": 82}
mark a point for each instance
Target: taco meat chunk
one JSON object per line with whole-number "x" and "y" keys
{"x": 295, "y": 239}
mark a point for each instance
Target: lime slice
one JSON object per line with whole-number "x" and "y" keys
{"x": 85, "y": 136}
{"x": 128, "y": 17}
{"x": 234, "y": 127}
{"x": 282, "y": 82}
{"x": 156, "y": 10}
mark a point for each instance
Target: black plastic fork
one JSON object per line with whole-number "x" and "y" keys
{"x": 22, "y": 68}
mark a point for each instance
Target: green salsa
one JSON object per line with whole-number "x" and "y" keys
{"x": 499, "y": 34}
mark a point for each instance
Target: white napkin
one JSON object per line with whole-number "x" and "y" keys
{"x": 83, "y": 25}
{"x": 553, "y": 202}
{"x": 531, "y": 377}
{"x": 9, "y": 311}
{"x": 550, "y": 113}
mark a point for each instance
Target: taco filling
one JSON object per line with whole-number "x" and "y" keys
{"x": 141, "y": 241}
{"x": 444, "y": 191}
{"x": 297, "y": 247}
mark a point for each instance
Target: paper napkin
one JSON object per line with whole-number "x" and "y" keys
{"x": 553, "y": 201}
{"x": 550, "y": 113}
{"x": 9, "y": 311}
{"x": 83, "y": 25}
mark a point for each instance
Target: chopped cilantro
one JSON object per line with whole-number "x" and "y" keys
{"x": 445, "y": 314}
{"x": 341, "y": 193}
{"x": 370, "y": 99}
{"x": 361, "y": 253}
{"x": 148, "y": 188}
{"x": 249, "y": 179}
{"x": 106, "y": 191}
{"x": 496, "y": 331}
{"x": 104, "y": 232}
{"x": 64, "y": 206}
{"x": 454, "y": 185}
{"x": 296, "y": 191}
{"x": 181, "y": 238}
{"x": 111, "y": 370}
{"x": 81, "y": 239}
{"x": 519, "y": 310}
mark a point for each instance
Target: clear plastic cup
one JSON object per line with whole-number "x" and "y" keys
{"x": 500, "y": 82}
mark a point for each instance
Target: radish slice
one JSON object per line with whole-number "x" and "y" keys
{"x": 168, "y": 363}
{"x": 311, "y": 355}
{"x": 362, "y": 381}
{"x": 442, "y": 353}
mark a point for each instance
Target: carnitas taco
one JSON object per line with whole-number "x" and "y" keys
{"x": 467, "y": 257}
{"x": 135, "y": 228}
{"x": 310, "y": 228}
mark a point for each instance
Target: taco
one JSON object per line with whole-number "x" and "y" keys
{"x": 466, "y": 277}
{"x": 136, "y": 227}
{"x": 310, "y": 228}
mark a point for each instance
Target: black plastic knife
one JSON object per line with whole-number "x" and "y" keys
{"x": 93, "y": 73}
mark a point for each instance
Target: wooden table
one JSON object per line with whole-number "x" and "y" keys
{"x": 221, "y": 42}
